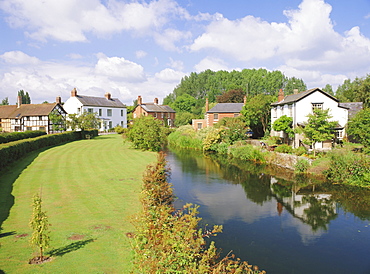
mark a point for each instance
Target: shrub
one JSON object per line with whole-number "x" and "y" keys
{"x": 120, "y": 130}
{"x": 301, "y": 166}
{"x": 169, "y": 240}
{"x": 213, "y": 137}
{"x": 284, "y": 149}
{"x": 185, "y": 137}
{"x": 300, "y": 151}
{"x": 15, "y": 136}
{"x": 273, "y": 140}
{"x": 248, "y": 152}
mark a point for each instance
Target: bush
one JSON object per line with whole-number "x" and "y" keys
{"x": 273, "y": 140}
{"x": 284, "y": 149}
{"x": 301, "y": 166}
{"x": 120, "y": 130}
{"x": 15, "y": 136}
{"x": 349, "y": 168}
{"x": 300, "y": 151}
{"x": 248, "y": 153}
{"x": 169, "y": 240}
{"x": 185, "y": 137}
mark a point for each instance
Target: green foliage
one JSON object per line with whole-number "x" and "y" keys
{"x": 234, "y": 129}
{"x": 232, "y": 96}
{"x": 359, "y": 128}
{"x": 13, "y": 151}
{"x": 248, "y": 153}
{"x": 214, "y": 136}
{"x": 15, "y": 136}
{"x": 183, "y": 118}
{"x": 147, "y": 133}
{"x": 186, "y": 137}
{"x": 356, "y": 91}
{"x": 256, "y": 112}
{"x": 284, "y": 149}
{"x": 349, "y": 168}
{"x": 40, "y": 226}
{"x": 86, "y": 120}
{"x": 169, "y": 240}
{"x": 294, "y": 84}
{"x": 4, "y": 102}
{"x": 184, "y": 103}
{"x": 284, "y": 123}
{"x": 301, "y": 166}
{"x": 120, "y": 130}
{"x": 328, "y": 89}
{"x": 273, "y": 140}
{"x": 26, "y": 99}
{"x": 58, "y": 121}
{"x": 300, "y": 151}
{"x": 318, "y": 128}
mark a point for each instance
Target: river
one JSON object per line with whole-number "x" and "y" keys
{"x": 283, "y": 224}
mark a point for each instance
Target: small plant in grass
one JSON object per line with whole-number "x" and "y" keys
{"x": 301, "y": 166}
{"x": 40, "y": 225}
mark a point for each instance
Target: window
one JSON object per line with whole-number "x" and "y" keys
{"x": 200, "y": 125}
{"x": 274, "y": 112}
{"x": 90, "y": 110}
{"x": 339, "y": 133}
{"x": 110, "y": 124}
{"x": 121, "y": 112}
{"x": 78, "y": 110}
{"x": 215, "y": 116}
{"x": 155, "y": 115}
{"x": 28, "y": 128}
{"x": 317, "y": 106}
{"x": 122, "y": 124}
{"x": 100, "y": 112}
{"x": 236, "y": 115}
{"x": 162, "y": 115}
{"x": 109, "y": 112}
{"x": 40, "y": 118}
{"x": 290, "y": 107}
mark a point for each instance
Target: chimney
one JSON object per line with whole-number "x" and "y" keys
{"x": 207, "y": 105}
{"x": 245, "y": 99}
{"x": 295, "y": 91}
{"x": 281, "y": 95}
{"x": 139, "y": 100}
{"x": 74, "y": 92}
{"x": 107, "y": 95}
{"x": 156, "y": 101}
{"x": 58, "y": 100}
{"x": 19, "y": 101}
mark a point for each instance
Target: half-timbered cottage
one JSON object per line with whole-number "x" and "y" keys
{"x": 22, "y": 117}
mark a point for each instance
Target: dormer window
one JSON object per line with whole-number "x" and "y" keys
{"x": 317, "y": 106}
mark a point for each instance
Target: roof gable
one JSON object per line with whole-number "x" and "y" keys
{"x": 226, "y": 108}
{"x": 292, "y": 98}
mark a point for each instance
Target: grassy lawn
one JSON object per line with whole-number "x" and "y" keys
{"x": 89, "y": 190}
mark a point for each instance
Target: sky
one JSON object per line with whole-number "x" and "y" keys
{"x": 131, "y": 48}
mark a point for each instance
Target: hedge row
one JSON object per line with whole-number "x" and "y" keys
{"x": 13, "y": 151}
{"x": 15, "y": 136}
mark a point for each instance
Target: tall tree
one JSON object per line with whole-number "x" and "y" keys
{"x": 294, "y": 84}
{"x": 328, "y": 89}
{"x": 26, "y": 99}
{"x": 256, "y": 112}
{"x": 232, "y": 96}
{"x": 318, "y": 128}
{"x": 86, "y": 120}
{"x": 4, "y": 102}
{"x": 359, "y": 128}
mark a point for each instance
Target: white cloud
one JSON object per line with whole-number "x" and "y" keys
{"x": 140, "y": 54}
{"x": 176, "y": 64}
{"x": 170, "y": 76}
{"x": 214, "y": 64}
{"x": 18, "y": 58}
{"x": 119, "y": 68}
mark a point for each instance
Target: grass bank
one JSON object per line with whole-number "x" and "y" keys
{"x": 89, "y": 189}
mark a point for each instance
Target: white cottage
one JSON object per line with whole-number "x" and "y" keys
{"x": 299, "y": 105}
{"x": 111, "y": 111}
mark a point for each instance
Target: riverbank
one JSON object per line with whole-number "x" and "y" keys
{"x": 89, "y": 190}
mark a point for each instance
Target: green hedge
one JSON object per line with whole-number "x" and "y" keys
{"x": 13, "y": 151}
{"x": 15, "y": 136}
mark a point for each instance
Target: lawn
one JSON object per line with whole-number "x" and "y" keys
{"x": 89, "y": 189}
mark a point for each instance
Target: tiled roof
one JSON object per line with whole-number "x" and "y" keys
{"x": 296, "y": 97}
{"x": 12, "y": 111}
{"x": 353, "y": 108}
{"x": 151, "y": 107}
{"x": 226, "y": 108}
{"x": 100, "y": 101}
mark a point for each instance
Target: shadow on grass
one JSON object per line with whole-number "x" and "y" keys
{"x": 8, "y": 176}
{"x": 69, "y": 248}
{"x": 7, "y": 234}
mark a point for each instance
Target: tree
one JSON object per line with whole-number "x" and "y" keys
{"x": 234, "y": 129}
{"x": 328, "y": 89}
{"x": 294, "y": 84}
{"x": 318, "y": 128}
{"x": 256, "y": 112}
{"x": 26, "y": 99}
{"x": 5, "y": 102}
{"x": 232, "y": 96}
{"x": 284, "y": 123}
{"x": 86, "y": 120}
{"x": 359, "y": 128}
{"x": 184, "y": 103}
{"x": 40, "y": 225}
{"x": 147, "y": 133}
{"x": 183, "y": 118}
{"x": 58, "y": 122}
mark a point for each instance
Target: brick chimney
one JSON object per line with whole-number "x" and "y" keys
{"x": 156, "y": 101}
{"x": 19, "y": 101}
{"x": 281, "y": 95}
{"x": 139, "y": 100}
{"x": 295, "y": 91}
{"x": 74, "y": 92}
{"x": 107, "y": 95}
{"x": 207, "y": 105}
{"x": 58, "y": 100}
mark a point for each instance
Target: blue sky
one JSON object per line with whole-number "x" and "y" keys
{"x": 132, "y": 48}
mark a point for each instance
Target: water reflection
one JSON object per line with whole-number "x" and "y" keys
{"x": 269, "y": 214}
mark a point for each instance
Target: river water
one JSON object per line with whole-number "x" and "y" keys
{"x": 283, "y": 224}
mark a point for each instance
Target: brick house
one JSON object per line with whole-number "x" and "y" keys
{"x": 160, "y": 112}
{"x": 22, "y": 117}
{"x": 215, "y": 114}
